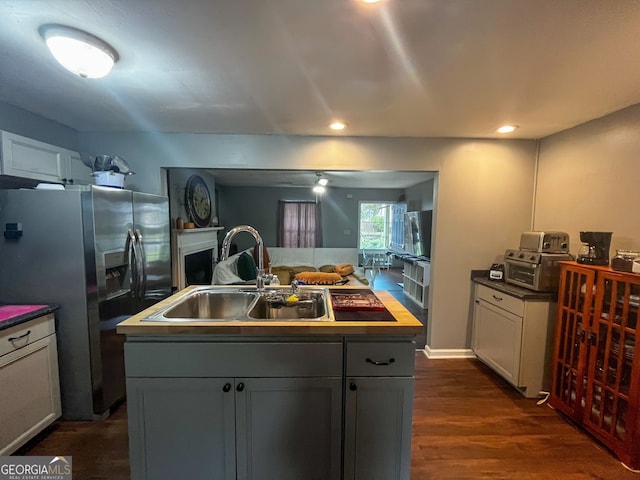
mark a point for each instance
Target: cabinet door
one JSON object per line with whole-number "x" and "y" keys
{"x": 610, "y": 376}
{"x": 497, "y": 339}
{"x": 288, "y": 428}
{"x": 378, "y": 414}
{"x": 74, "y": 172}
{"x": 28, "y": 158}
{"x": 570, "y": 351}
{"x": 181, "y": 428}
{"x": 33, "y": 400}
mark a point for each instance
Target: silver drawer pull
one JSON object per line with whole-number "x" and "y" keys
{"x": 499, "y": 299}
{"x": 15, "y": 339}
{"x": 391, "y": 360}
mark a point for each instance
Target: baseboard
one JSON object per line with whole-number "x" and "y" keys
{"x": 440, "y": 353}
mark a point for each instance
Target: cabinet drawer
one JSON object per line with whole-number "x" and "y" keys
{"x": 380, "y": 359}
{"x": 26, "y": 333}
{"x": 241, "y": 359}
{"x": 500, "y": 299}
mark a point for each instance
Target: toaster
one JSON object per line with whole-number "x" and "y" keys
{"x": 545, "y": 242}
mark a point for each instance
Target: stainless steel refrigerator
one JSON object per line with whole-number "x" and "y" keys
{"x": 102, "y": 254}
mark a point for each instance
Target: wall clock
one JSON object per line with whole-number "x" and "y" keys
{"x": 198, "y": 201}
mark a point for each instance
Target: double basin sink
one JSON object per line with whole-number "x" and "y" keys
{"x": 215, "y": 304}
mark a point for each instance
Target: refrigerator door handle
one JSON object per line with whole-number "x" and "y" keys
{"x": 143, "y": 264}
{"x": 133, "y": 262}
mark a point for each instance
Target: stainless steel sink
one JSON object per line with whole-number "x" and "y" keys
{"x": 307, "y": 306}
{"x": 214, "y": 304}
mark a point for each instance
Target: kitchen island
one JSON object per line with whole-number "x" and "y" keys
{"x": 271, "y": 399}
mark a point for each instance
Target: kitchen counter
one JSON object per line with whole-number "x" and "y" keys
{"x": 482, "y": 277}
{"x": 405, "y": 323}
{"x": 11, "y": 315}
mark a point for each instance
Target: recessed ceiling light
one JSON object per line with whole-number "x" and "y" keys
{"x": 338, "y": 126}
{"x": 370, "y": 1}
{"x": 506, "y": 129}
{"x": 78, "y": 51}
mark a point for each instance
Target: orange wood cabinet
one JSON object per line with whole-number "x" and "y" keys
{"x": 596, "y": 367}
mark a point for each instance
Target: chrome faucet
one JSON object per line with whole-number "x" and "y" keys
{"x": 226, "y": 246}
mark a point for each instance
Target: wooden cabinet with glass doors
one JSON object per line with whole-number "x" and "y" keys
{"x": 596, "y": 367}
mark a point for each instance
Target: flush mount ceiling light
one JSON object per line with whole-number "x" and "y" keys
{"x": 337, "y": 126}
{"x": 79, "y": 51}
{"x": 506, "y": 129}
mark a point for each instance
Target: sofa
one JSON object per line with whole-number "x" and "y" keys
{"x": 286, "y": 263}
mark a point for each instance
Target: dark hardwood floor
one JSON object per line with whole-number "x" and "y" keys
{"x": 468, "y": 424}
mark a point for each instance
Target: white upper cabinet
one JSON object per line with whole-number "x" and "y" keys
{"x": 75, "y": 172}
{"x": 27, "y": 158}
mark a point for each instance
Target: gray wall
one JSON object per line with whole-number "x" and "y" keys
{"x": 420, "y": 197}
{"x": 258, "y": 207}
{"x": 588, "y": 180}
{"x": 27, "y": 124}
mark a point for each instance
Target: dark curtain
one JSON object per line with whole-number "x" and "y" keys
{"x": 299, "y": 224}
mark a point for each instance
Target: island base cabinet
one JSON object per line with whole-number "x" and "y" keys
{"x": 378, "y": 418}
{"x": 288, "y": 428}
{"x": 181, "y": 428}
{"x": 235, "y": 428}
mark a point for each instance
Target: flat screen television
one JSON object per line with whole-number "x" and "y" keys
{"x": 417, "y": 233}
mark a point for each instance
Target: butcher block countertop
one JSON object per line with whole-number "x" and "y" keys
{"x": 405, "y": 323}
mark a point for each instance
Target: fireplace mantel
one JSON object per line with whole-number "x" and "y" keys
{"x": 188, "y": 241}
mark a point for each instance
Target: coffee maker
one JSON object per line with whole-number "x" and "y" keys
{"x": 595, "y": 248}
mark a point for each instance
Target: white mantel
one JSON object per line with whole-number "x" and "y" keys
{"x": 188, "y": 241}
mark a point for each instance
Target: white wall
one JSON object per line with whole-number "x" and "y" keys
{"x": 588, "y": 179}
{"x": 484, "y": 190}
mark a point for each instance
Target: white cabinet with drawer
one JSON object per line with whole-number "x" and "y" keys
{"x": 30, "y": 393}
{"x": 513, "y": 336}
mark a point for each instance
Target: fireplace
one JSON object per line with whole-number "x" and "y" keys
{"x": 194, "y": 255}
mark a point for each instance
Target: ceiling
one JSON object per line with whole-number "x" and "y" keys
{"x": 402, "y": 68}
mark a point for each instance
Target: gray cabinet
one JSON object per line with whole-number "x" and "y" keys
{"x": 288, "y": 428}
{"x": 513, "y": 336}
{"x": 184, "y": 428}
{"x": 257, "y": 423}
{"x": 378, "y": 410}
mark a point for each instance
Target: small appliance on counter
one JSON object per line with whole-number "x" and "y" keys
{"x": 626, "y": 261}
{"x": 595, "y": 248}
{"x": 535, "y": 264}
{"x": 545, "y": 242}
{"x": 496, "y": 272}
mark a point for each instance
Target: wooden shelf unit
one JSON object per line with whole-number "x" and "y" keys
{"x": 596, "y": 367}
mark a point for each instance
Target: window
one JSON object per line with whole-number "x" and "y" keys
{"x": 299, "y": 224}
{"x": 375, "y": 224}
